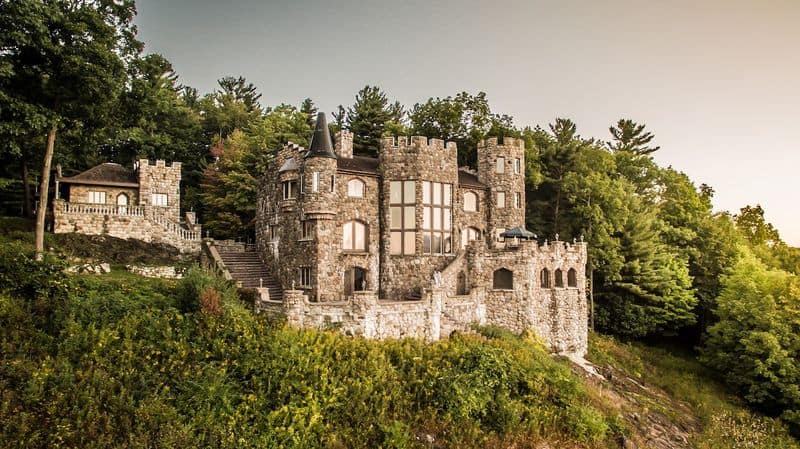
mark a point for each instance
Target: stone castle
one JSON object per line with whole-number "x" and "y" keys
{"x": 141, "y": 203}
{"x": 409, "y": 244}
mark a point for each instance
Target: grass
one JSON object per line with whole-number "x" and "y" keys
{"x": 725, "y": 420}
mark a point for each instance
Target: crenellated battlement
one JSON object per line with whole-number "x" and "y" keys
{"x": 161, "y": 163}
{"x": 415, "y": 144}
{"x": 506, "y": 142}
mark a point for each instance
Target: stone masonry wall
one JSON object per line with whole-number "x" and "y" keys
{"x": 508, "y": 182}
{"x": 80, "y": 193}
{"x": 159, "y": 178}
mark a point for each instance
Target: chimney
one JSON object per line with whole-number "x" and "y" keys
{"x": 344, "y": 144}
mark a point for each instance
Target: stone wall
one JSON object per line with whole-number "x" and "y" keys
{"x": 80, "y": 193}
{"x": 160, "y": 178}
{"x": 160, "y": 272}
{"x": 508, "y": 182}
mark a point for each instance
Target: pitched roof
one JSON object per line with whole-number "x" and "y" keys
{"x": 321, "y": 140}
{"x": 358, "y": 164}
{"x": 108, "y": 173}
{"x": 466, "y": 178}
{"x": 289, "y": 165}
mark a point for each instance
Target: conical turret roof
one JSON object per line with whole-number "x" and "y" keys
{"x": 321, "y": 145}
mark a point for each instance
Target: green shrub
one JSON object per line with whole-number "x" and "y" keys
{"x": 195, "y": 281}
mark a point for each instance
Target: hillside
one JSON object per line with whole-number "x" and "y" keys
{"x": 120, "y": 361}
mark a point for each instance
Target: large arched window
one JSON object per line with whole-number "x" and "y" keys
{"x": 545, "y": 278}
{"x": 559, "y": 278}
{"x": 503, "y": 279}
{"x": 355, "y": 188}
{"x": 470, "y": 202}
{"x": 354, "y": 236}
{"x": 572, "y": 278}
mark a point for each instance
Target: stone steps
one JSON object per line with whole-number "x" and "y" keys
{"x": 247, "y": 268}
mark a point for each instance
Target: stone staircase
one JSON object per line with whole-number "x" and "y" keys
{"x": 248, "y": 269}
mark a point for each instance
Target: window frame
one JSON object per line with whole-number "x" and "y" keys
{"x": 307, "y": 229}
{"x": 437, "y": 210}
{"x": 545, "y": 280}
{"x": 517, "y": 200}
{"x": 572, "y": 278}
{"x": 500, "y": 204}
{"x": 477, "y": 201}
{"x": 517, "y": 166}
{"x": 93, "y": 195}
{"x": 495, "y": 285}
{"x": 354, "y": 226}
{"x": 500, "y": 165}
{"x": 157, "y": 203}
{"x": 407, "y": 235}
{"x": 289, "y": 189}
{"x": 359, "y": 182}
{"x": 305, "y": 276}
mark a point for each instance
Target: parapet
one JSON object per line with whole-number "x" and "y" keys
{"x": 415, "y": 144}
{"x": 502, "y": 142}
{"x": 161, "y": 163}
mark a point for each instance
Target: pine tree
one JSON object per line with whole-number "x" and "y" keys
{"x": 367, "y": 118}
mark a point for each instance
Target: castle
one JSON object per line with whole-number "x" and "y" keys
{"x": 141, "y": 203}
{"x": 409, "y": 244}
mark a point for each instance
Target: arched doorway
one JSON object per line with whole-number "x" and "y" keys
{"x": 122, "y": 204}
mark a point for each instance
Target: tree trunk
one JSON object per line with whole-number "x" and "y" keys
{"x": 41, "y": 210}
{"x": 26, "y": 189}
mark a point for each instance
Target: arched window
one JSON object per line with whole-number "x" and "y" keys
{"x": 503, "y": 279}
{"x": 559, "y": 278}
{"x": 545, "y": 278}
{"x": 468, "y": 235}
{"x": 572, "y": 278}
{"x": 470, "y": 202}
{"x": 355, "y": 188}
{"x": 122, "y": 204}
{"x": 354, "y": 236}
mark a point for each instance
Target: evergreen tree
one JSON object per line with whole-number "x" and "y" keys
{"x": 367, "y": 119}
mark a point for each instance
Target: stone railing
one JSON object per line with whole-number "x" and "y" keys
{"x": 103, "y": 209}
{"x": 174, "y": 228}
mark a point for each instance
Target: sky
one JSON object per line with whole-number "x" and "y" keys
{"x": 716, "y": 81}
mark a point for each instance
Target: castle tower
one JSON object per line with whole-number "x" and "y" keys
{"x": 160, "y": 186}
{"x": 319, "y": 207}
{"x": 501, "y": 166}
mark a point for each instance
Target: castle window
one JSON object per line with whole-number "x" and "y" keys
{"x": 315, "y": 182}
{"x": 289, "y": 189}
{"x": 545, "y": 278}
{"x": 517, "y": 200}
{"x": 501, "y": 200}
{"x": 470, "y": 202}
{"x": 158, "y": 199}
{"x": 436, "y": 218}
{"x": 333, "y": 183}
{"x": 572, "y": 278}
{"x": 559, "y": 278}
{"x": 500, "y": 165}
{"x": 273, "y": 233}
{"x": 498, "y": 237}
{"x": 355, "y": 188}
{"x": 302, "y": 184}
{"x": 305, "y": 277}
{"x": 402, "y": 218}
{"x": 503, "y": 279}
{"x": 307, "y": 230}
{"x": 517, "y": 166}
{"x": 96, "y": 197}
{"x": 468, "y": 235}
{"x": 354, "y": 236}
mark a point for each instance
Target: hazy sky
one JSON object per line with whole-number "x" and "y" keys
{"x": 717, "y": 82}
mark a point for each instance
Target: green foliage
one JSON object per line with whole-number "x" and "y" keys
{"x": 367, "y": 119}
{"x": 756, "y": 343}
{"x": 195, "y": 282}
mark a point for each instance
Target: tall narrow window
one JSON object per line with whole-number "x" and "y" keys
{"x": 559, "y": 278}
{"x": 273, "y": 233}
{"x": 402, "y": 217}
{"x": 501, "y": 200}
{"x": 468, "y": 235}
{"x": 333, "y": 183}
{"x": 517, "y": 166}
{"x": 354, "y": 236}
{"x": 470, "y": 202}
{"x": 355, "y": 188}
{"x": 436, "y": 218}
{"x": 305, "y": 277}
{"x": 545, "y": 278}
{"x": 572, "y": 278}
{"x": 517, "y": 200}
{"x": 302, "y": 184}
{"x": 500, "y": 165}
{"x": 96, "y": 197}
{"x": 315, "y": 182}
{"x": 307, "y": 230}
{"x": 158, "y": 199}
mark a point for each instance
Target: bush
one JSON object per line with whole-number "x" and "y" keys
{"x": 196, "y": 281}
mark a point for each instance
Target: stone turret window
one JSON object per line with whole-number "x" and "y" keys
{"x": 436, "y": 218}
{"x": 315, "y": 181}
{"x": 158, "y": 199}
{"x": 470, "y": 202}
{"x": 545, "y": 278}
{"x": 503, "y": 279}
{"x": 517, "y": 200}
{"x": 307, "y": 230}
{"x": 500, "y": 165}
{"x": 305, "y": 277}
{"x": 572, "y": 278}
{"x": 402, "y": 218}
{"x": 355, "y": 188}
{"x": 354, "y": 236}
{"x": 289, "y": 189}
{"x": 517, "y": 166}
{"x": 96, "y": 197}
{"x": 501, "y": 200}
{"x": 559, "y": 278}
{"x": 333, "y": 183}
